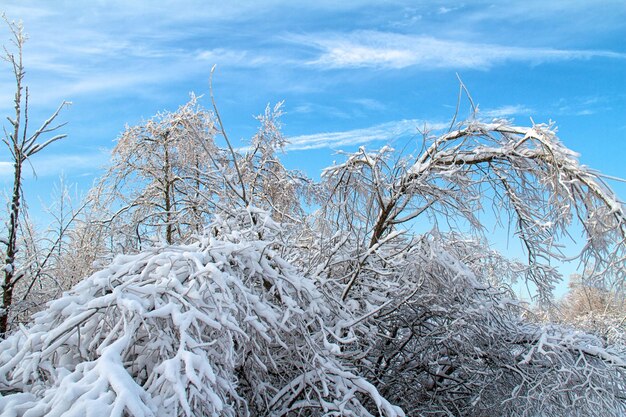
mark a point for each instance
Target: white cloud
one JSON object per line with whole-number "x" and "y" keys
{"x": 234, "y": 57}
{"x": 6, "y": 169}
{"x": 369, "y": 104}
{"x": 53, "y": 165}
{"x": 363, "y": 49}
{"x": 119, "y": 49}
{"x": 384, "y": 132}
{"x": 446, "y": 10}
{"x": 583, "y": 105}
{"x": 507, "y": 111}
{"x": 221, "y": 54}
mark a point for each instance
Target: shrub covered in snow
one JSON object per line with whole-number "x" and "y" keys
{"x": 223, "y": 327}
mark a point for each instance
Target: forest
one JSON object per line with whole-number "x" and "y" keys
{"x": 197, "y": 278}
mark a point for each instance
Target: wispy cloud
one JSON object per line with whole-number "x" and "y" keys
{"x": 234, "y": 57}
{"x": 53, "y": 165}
{"x": 368, "y": 104}
{"x": 507, "y": 111}
{"x": 384, "y": 132}
{"x": 581, "y": 106}
{"x": 105, "y": 54}
{"x": 6, "y": 170}
{"x": 363, "y": 49}
{"x": 330, "y": 111}
{"x": 446, "y": 10}
{"x": 356, "y": 108}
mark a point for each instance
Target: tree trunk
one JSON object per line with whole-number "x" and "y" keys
{"x": 167, "y": 192}
{"x": 9, "y": 263}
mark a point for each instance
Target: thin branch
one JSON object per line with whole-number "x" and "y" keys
{"x": 230, "y": 147}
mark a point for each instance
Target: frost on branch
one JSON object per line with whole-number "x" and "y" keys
{"x": 444, "y": 341}
{"x": 435, "y": 324}
{"x": 530, "y": 179}
{"x": 223, "y": 327}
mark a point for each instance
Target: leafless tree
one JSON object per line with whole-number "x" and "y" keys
{"x": 591, "y": 308}
{"x": 439, "y": 328}
{"x": 528, "y": 176}
{"x": 48, "y": 257}
{"x": 21, "y": 144}
{"x": 168, "y": 177}
{"x": 160, "y": 180}
{"x": 269, "y": 184}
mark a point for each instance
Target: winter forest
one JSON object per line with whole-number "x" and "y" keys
{"x": 199, "y": 278}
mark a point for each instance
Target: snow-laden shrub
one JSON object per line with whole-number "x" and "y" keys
{"x": 609, "y": 326}
{"x": 454, "y": 344}
{"x": 222, "y": 327}
{"x": 434, "y": 331}
{"x": 436, "y": 328}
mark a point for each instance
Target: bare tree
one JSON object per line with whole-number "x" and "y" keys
{"x": 48, "y": 257}
{"x": 168, "y": 177}
{"x": 160, "y": 178}
{"x": 22, "y": 144}
{"x": 270, "y": 185}
{"x": 591, "y": 308}
{"x": 528, "y": 176}
{"x": 436, "y": 324}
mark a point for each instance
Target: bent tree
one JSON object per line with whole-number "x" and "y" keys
{"x": 21, "y": 145}
{"x": 437, "y": 329}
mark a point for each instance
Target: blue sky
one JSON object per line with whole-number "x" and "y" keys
{"x": 351, "y": 73}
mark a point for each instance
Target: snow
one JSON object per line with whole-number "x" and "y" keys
{"x": 169, "y": 332}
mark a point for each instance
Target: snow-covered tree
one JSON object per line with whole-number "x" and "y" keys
{"x": 46, "y": 256}
{"x": 160, "y": 180}
{"x": 222, "y": 327}
{"x": 21, "y": 143}
{"x": 346, "y": 311}
{"x": 268, "y": 183}
{"x": 592, "y": 309}
{"x": 448, "y": 327}
{"x": 168, "y": 177}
